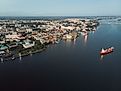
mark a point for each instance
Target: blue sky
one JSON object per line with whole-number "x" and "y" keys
{"x": 59, "y": 7}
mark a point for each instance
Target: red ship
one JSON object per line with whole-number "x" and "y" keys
{"x": 106, "y": 51}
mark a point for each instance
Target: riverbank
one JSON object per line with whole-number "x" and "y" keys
{"x": 19, "y": 51}
{"x": 33, "y": 36}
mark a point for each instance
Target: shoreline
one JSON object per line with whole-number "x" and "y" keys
{"x": 26, "y": 40}
{"x": 13, "y": 57}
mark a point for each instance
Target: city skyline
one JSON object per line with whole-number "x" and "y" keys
{"x": 60, "y": 8}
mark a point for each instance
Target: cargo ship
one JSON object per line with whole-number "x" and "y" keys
{"x": 106, "y": 51}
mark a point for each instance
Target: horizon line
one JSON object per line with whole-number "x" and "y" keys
{"x": 58, "y": 15}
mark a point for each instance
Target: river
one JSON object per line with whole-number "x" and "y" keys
{"x": 69, "y": 65}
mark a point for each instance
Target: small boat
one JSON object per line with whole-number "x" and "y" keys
{"x": 106, "y": 51}
{"x": 56, "y": 41}
{"x": 84, "y": 33}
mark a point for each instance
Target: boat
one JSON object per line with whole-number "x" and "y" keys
{"x": 106, "y": 51}
{"x": 57, "y": 41}
{"x": 84, "y": 33}
{"x": 69, "y": 37}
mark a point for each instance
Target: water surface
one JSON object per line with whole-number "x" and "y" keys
{"x": 69, "y": 66}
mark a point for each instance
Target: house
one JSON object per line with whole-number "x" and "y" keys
{"x": 28, "y": 44}
{"x": 3, "y": 47}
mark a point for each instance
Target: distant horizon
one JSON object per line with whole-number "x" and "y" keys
{"x": 66, "y": 16}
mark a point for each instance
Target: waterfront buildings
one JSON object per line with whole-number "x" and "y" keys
{"x": 25, "y": 34}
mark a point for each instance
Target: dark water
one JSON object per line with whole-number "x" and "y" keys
{"x": 69, "y": 66}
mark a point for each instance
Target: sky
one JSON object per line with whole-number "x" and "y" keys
{"x": 60, "y": 7}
